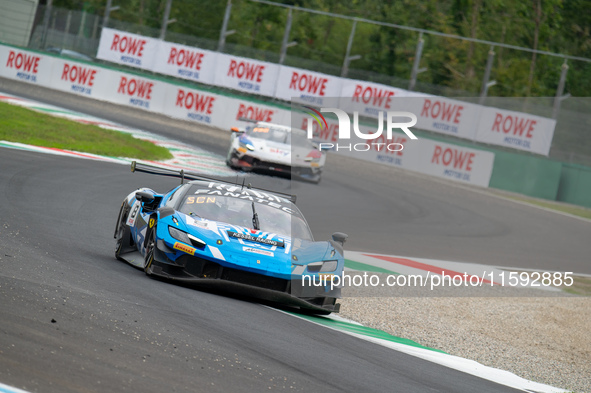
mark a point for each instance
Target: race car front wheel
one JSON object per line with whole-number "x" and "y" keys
{"x": 121, "y": 230}
{"x": 150, "y": 249}
{"x": 231, "y": 155}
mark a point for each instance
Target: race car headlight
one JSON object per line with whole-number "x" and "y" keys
{"x": 179, "y": 235}
{"x": 249, "y": 146}
{"x": 186, "y": 237}
{"x": 326, "y": 266}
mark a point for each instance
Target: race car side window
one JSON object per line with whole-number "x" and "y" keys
{"x": 171, "y": 202}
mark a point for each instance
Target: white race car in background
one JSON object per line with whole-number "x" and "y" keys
{"x": 275, "y": 148}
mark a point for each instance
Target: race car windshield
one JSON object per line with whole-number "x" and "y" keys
{"x": 278, "y": 135}
{"x": 298, "y": 138}
{"x": 239, "y": 212}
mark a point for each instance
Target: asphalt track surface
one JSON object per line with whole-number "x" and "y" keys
{"x": 74, "y": 319}
{"x": 386, "y": 210}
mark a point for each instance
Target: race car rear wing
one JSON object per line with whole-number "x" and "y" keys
{"x": 246, "y": 119}
{"x": 155, "y": 170}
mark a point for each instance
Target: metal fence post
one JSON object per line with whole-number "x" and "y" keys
{"x": 53, "y": 19}
{"x": 348, "y": 56}
{"x": 67, "y": 29}
{"x": 284, "y": 43}
{"x": 415, "y": 66}
{"x": 485, "y": 83}
{"x": 95, "y": 26}
{"x": 165, "y": 20}
{"x": 107, "y": 13}
{"x": 46, "y": 17}
{"x": 559, "y": 96}
{"x": 82, "y": 24}
{"x": 108, "y": 10}
{"x": 224, "y": 33}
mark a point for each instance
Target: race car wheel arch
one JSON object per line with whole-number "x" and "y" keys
{"x": 122, "y": 233}
{"x": 150, "y": 250}
{"x": 229, "y": 157}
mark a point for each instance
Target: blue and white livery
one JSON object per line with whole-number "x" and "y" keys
{"x": 218, "y": 234}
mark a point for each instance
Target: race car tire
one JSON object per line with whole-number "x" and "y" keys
{"x": 150, "y": 250}
{"x": 121, "y": 230}
{"x": 229, "y": 164}
{"x": 229, "y": 159}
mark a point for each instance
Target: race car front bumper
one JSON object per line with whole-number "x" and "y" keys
{"x": 205, "y": 273}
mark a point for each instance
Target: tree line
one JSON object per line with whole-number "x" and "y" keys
{"x": 560, "y": 26}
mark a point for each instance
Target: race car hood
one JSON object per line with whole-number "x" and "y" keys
{"x": 257, "y": 251}
{"x": 281, "y": 153}
{"x": 271, "y": 151}
{"x": 304, "y": 252}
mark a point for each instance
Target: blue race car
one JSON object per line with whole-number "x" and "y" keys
{"x": 218, "y": 234}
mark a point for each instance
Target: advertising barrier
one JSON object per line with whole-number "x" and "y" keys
{"x": 311, "y": 87}
{"x": 185, "y": 62}
{"x": 81, "y": 79}
{"x": 445, "y": 116}
{"x": 516, "y": 130}
{"x": 194, "y": 105}
{"x": 247, "y": 75}
{"x": 368, "y": 98}
{"x": 426, "y": 156}
{"x": 131, "y": 90}
{"x": 25, "y": 66}
{"x": 237, "y": 111}
{"x": 436, "y": 114}
{"x": 443, "y": 160}
{"x": 455, "y": 162}
{"x": 128, "y": 49}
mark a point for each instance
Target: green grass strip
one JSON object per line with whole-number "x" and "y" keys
{"x": 26, "y": 126}
{"x": 561, "y": 207}
{"x": 363, "y": 267}
{"x": 363, "y": 330}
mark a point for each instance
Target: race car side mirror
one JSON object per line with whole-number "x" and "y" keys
{"x": 235, "y": 129}
{"x": 144, "y": 197}
{"x": 340, "y": 237}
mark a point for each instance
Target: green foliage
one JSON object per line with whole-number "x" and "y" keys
{"x": 561, "y": 27}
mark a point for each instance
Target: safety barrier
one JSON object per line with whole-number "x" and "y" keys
{"x": 186, "y": 102}
{"x": 527, "y": 174}
{"x": 511, "y": 129}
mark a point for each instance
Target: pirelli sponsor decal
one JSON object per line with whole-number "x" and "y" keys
{"x": 184, "y": 248}
{"x": 243, "y": 236}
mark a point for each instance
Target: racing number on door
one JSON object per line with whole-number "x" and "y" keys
{"x": 134, "y": 212}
